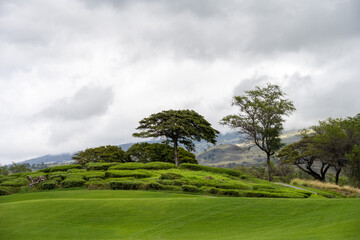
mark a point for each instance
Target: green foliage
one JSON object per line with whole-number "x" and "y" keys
{"x": 92, "y": 174}
{"x": 64, "y": 168}
{"x": 127, "y": 173}
{"x": 15, "y": 182}
{"x": 4, "y": 170}
{"x": 170, "y": 175}
{"x": 229, "y": 192}
{"x": 3, "y": 191}
{"x": 190, "y": 188}
{"x": 61, "y": 175}
{"x": 73, "y": 182}
{"x": 100, "y": 154}
{"x": 137, "y": 165}
{"x": 19, "y": 168}
{"x": 157, "y": 152}
{"x": 177, "y": 126}
{"x": 125, "y": 185}
{"x": 353, "y": 166}
{"x": 196, "y": 167}
{"x": 49, "y": 184}
{"x": 261, "y": 118}
{"x": 100, "y": 166}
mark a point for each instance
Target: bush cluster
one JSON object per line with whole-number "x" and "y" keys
{"x": 49, "y": 184}
{"x": 196, "y": 167}
{"x": 170, "y": 175}
{"x": 100, "y": 166}
{"x": 72, "y": 182}
{"x": 127, "y": 173}
{"x": 138, "y": 165}
{"x": 65, "y": 167}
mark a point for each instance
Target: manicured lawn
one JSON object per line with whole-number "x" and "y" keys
{"x": 103, "y": 214}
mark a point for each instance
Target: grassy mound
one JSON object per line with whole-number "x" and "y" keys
{"x": 80, "y": 214}
{"x": 190, "y": 178}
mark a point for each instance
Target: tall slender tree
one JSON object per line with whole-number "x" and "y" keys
{"x": 261, "y": 118}
{"x": 177, "y": 127}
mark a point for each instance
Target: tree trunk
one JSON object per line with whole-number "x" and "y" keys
{"x": 268, "y": 167}
{"x": 176, "y": 155}
{"x": 337, "y": 176}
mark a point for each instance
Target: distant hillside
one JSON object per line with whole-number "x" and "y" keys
{"x": 238, "y": 153}
{"x": 66, "y": 157}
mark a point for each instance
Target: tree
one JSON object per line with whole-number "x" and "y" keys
{"x": 261, "y": 118}
{"x": 100, "y": 154}
{"x": 19, "y": 167}
{"x": 4, "y": 170}
{"x": 303, "y": 155}
{"x": 177, "y": 127}
{"x": 157, "y": 152}
{"x": 353, "y": 168}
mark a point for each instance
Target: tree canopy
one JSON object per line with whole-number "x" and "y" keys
{"x": 331, "y": 143}
{"x": 177, "y": 127}
{"x": 157, "y": 152}
{"x": 261, "y": 118}
{"x": 100, "y": 154}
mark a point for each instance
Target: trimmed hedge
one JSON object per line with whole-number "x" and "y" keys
{"x": 65, "y": 167}
{"x": 61, "y": 175}
{"x": 229, "y": 192}
{"x": 197, "y": 167}
{"x": 100, "y": 166}
{"x": 149, "y": 166}
{"x": 3, "y": 192}
{"x": 127, "y": 173}
{"x": 72, "y": 182}
{"x": 92, "y": 174}
{"x": 125, "y": 185}
{"x": 190, "y": 188}
{"x": 15, "y": 182}
{"x": 170, "y": 176}
{"x": 50, "y": 184}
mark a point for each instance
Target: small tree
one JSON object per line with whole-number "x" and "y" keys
{"x": 261, "y": 118}
{"x": 177, "y": 126}
{"x": 19, "y": 167}
{"x": 100, "y": 154}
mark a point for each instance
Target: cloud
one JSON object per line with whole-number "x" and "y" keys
{"x": 87, "y": 102}
{"x": 82, "y": 73}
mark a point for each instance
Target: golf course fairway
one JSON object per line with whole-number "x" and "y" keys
{"x": 105, "y": 214}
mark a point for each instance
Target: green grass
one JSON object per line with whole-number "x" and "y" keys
{"x": 103, "y": 214}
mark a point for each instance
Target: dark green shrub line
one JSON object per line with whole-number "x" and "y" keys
{"x": 148, "y": 166}
{"x": 127, "y": 173}
{"x": 100, "y": 166}
{"x": 196, "y": 167}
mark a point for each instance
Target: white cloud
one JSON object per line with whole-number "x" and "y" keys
{"x": 77, "y": 74}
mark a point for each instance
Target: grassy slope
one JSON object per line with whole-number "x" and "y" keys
{"x": 106, "y": 214}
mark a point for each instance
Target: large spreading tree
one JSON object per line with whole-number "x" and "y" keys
{"x": 261, "y": 118}
{"x": 177, "y": 127}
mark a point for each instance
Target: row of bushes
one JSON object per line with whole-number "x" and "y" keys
{"x": 196, "y": 167}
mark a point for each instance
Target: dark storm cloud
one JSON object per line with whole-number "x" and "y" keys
{"x": 84, "y": 104}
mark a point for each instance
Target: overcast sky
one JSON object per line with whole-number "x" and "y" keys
{"x": 77, "y": 74}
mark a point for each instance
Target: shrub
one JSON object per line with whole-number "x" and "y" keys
{"x": 61, "y": 175}
{"x": 137, "y": 165}
{"x": 263, "y": 187}
{"x": 73, "y": 182}
{"x": 229, "y": 192}
{"x": 3, "y": 191}
{"x": 58, "y": 180}
{"x": 65, "y": 167}
{"x": 127, "y": 173}
{"x": 125, "y": 185}
{"x": 196, "y": 167}
{"x": 190, "y": 188}
{"x": 50, "y": 184}
{"x": 96, "y": 183}
{"x": 172, "y": 188}
{"x": 273, "y": 194}
{"x": 76, "y": 170}
{"x": 3, "y": 179}
{"x": 15, "y": 182}
{"x": 92, "y": 174}
{"x": 153, "y": 186}
{"x": 170, "y": 175}
{"x": 100, "y": 166}
{"x": 212, "y": 190}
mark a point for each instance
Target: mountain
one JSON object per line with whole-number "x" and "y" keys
{"x": 239, "y": 153}
{"x": 230, "y": 148}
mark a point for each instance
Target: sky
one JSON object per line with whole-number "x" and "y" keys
{"x": 76, "y": 74}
